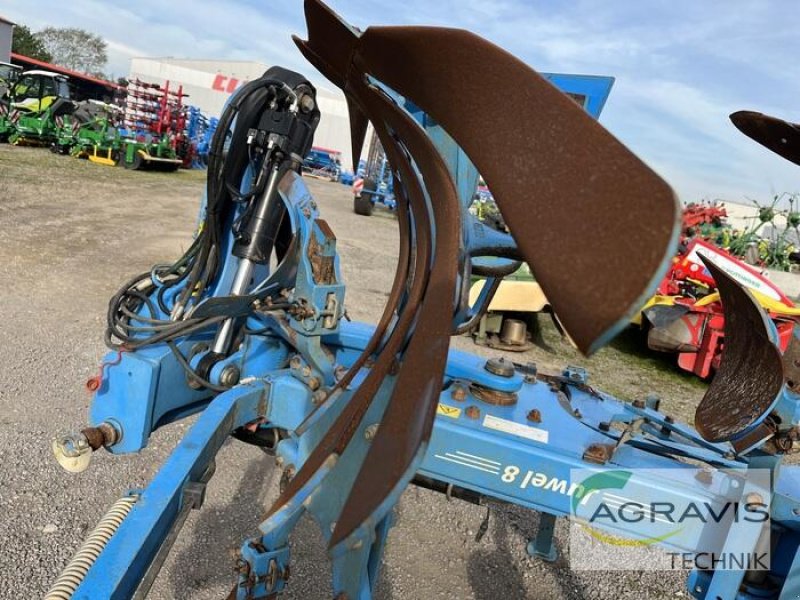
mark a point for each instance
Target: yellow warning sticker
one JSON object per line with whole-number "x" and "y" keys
{"x": 448, "y": 411}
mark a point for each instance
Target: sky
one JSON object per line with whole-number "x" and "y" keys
{"x": 681, "y": 66}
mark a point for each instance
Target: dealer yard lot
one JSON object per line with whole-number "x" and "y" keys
{"x": 70, "y": 233}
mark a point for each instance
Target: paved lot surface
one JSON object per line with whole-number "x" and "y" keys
{"x": 70, "y": 233}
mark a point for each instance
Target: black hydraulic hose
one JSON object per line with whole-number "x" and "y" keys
{"x": 199, "y": 265}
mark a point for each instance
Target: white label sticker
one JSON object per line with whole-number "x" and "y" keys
{"x": 532, "y": 433}
{"x": 735, "y": 270}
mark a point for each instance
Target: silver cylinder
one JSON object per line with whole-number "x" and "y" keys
{"x": 240, "y": 284}
{"x": 514, "y": 332}
{"x": 244, "y": 271}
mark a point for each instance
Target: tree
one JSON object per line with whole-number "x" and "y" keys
{"x": 75, "y": 49}
{"x": 26, "y": 43}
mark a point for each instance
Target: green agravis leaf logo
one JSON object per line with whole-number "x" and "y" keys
{"x": 612, "y": 480}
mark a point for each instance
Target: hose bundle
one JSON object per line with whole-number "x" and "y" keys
{"x": 156, "y": 306}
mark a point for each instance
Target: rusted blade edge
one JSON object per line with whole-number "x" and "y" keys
{"x": 782, "y": 137}
{"x": 409, "y": 416}
{"x": 340, "y": 433}
{"x": 750, "y": 377}
{"x": 358, "y": 131}
{"x": 332, "y": 31}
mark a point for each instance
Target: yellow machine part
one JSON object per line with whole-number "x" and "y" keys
{"x": 149, "y": 158}
{"x": 769, "y": 304}
{"x": 527, "y": 296}
{"x": 34, "y": 105}
{"x": 102, "y": 160}
{"x": 513, "y": 296}
{"x": 657, "y": 299}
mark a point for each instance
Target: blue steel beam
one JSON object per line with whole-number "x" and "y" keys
{"x": 129, "y": 553}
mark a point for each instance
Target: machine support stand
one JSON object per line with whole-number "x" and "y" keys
{"x": 543, "y": 546}
{"x": 356, "y": 561}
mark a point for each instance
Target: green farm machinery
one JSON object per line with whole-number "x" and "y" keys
{"x": 146, "y": 132}
{"x": 90, "y": 132}
{"x": 38, "y": 99}
{"x": 149, "y": 152}
{"x": 8, "y": 77}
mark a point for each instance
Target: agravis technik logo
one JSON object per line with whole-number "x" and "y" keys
{"x": 669, "y": 509}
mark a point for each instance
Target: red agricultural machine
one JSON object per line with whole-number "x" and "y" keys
{"x": 686, "y": 316}
{"x": 155, "y": 117}
{"x": 700, "y": 215}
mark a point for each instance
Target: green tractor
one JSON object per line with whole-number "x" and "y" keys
{"x": 8, "y": 77}
{"x": 39, "y": 98}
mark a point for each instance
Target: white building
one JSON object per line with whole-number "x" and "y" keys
{"x": 6, "y": 34}
{"x": 209, "y": 83}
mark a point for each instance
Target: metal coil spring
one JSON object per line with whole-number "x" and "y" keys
{"x": 75, "y": 572}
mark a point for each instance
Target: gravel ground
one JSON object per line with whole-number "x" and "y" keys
{"x": 70, "y": 232}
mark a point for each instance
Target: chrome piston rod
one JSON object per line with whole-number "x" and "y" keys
{"x": 245, "y": 268}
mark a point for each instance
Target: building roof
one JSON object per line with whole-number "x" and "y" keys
{"x": 63, "y": 71}
{"x": 6, "y": 21}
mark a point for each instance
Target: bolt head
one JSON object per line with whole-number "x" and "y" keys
{"x": 458, "y": 393}
{"x": 705, "y": 476}
{"x": 754, "y": 498}
{"x": 535, "y": 416}
{"x": 230, "y": 376}
{"x": 307, "y": 103}
{"x": 500, "y": 367}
